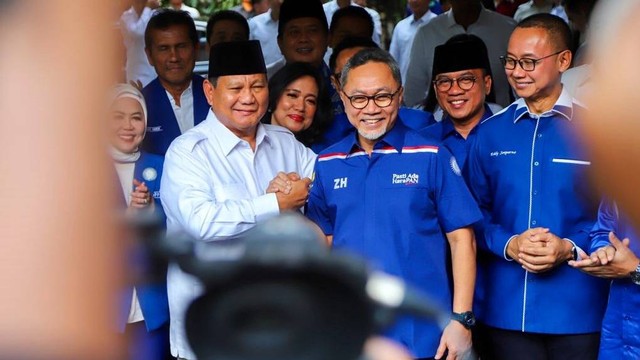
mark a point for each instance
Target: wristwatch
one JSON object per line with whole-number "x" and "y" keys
{"x": 467, "y": 319}
{"x": 635, "y": 275}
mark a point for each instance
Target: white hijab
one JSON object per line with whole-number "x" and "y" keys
{"x": 129, "y": 91}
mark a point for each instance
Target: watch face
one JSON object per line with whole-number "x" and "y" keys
{"x": 635, "y": 277}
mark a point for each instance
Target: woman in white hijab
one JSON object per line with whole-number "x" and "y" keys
{"x": 144, "y": 311}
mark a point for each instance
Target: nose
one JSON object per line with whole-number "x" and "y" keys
{"x": 371, "y": 108}
{"x": 246, "y": 96}
{"x": 299, "y": 104}
{"x": 173, "y": 54}
{"x": 455, "y": 89}
{"x": 517, "y": 72}
{"x": 128, "y": 124}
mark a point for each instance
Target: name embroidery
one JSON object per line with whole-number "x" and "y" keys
{"x": 503, "y": 153}
{"x": 405, "y": 179}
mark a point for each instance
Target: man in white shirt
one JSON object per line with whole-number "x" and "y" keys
{"x": 264, "y": 27}
{"x": 405, "y": 31}
{"x": 465, "y": 16}
{"x": 133, "y": 22}
{"x": 219, "y": 176}
{"x": 179, "y": 5}
{"x": 175, "y": 99}
{"x": 332, "y": 6}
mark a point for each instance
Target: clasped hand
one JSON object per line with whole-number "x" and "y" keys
{"x": 539, "y": 250}
{"x": 291, "y": 190}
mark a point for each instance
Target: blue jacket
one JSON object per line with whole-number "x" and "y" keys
{"x": 162, "y": 126}
{"x": 527, "y": 171}
{"x": 621, "y": 325}
{"x": 152, "y": 295}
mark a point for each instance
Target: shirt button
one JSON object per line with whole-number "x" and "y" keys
{"x": 536, "y": 163}
{"x": 539, "y": 135}
{"x": 535, "y": 192}
{"x": 533, "y": 222}
{"x": 626, "y": 317}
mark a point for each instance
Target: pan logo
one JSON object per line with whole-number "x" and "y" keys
{"x": 405, "y": 179}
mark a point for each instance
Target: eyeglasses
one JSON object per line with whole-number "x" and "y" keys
{"x": 381, "y": 100}
{"x": 527, "y": 64}
{"x": 464, "y": 82}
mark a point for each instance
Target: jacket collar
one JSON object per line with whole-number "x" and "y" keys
{"x": 562, "y": 107}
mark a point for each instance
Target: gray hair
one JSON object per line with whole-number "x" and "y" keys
{"x": 368, "y": 55}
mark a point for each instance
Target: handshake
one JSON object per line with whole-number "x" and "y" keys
{"x": 291, "y": 190}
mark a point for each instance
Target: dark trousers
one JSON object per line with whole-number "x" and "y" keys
{"x": 144, "y": 345}
{"x": 512, "y": 345}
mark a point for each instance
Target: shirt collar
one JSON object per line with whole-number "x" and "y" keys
{"x": 228, "y": 140}
{"x": 447, "y": 125}
{"x": 393, "y": 138}
{"x": 562, "y": 107}
{"x": 451, "y": 21}
{"x": 422, "y": 19}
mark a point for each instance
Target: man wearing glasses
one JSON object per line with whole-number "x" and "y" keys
{"x": 397, "y": 198}
{"x": 527, "y": 171}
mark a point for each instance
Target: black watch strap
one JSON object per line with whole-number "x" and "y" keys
{"x": 467, "y": 319}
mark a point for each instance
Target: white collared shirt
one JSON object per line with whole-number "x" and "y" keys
{"x": 184, "y": 112}
{"x": 213, "y": 188}
{"x": 132, "y": 28}
{"x": 493, "y": 28}
{"x": 402, "y": 39}
{"x": 193, "y": 12}
{"x": 263, "y": 28}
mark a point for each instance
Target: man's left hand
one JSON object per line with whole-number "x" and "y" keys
{"x": 544, "y": 252}
{"x": 456, "y": 339}
{"x": 612, "y": 262}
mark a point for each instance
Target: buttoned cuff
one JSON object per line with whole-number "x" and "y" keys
{"x": 265, "y": 207}
{"x": 504, "y": 251}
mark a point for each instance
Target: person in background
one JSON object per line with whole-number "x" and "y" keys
{"x": 221, "y": 176}
{"x": 144, "y": 308}
{"x": 394, "y": 197}
{"x": 332, "y": 6}
{"x": 349, "y": 21}
{"x": 264, "y": 28}
{"x": 527, "y": 170}
{"x": 405, "y": 31}
{"x": 465, "y": 16}
{"x": 532, "y": 7}
{"x": 260, "y": 7}
{"x": 226, "y": 25}
{"x": 299, "y": 101}
{"x": 176, "y": 98}
{"x": 133, "y": 23}
{"x": 616, "y": 260}
{"x": 462, "y": 84}
{"x": 179, "y": 5}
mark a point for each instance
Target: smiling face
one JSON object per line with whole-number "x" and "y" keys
{"x": 173, "y": 55}
{"x": 239, "y": 102}
{"x": 303, "y": 40}
{"x": 126, "y": 125}
{"x": 297, "y": 105}
{"x": 373, "y": 121}
{"x": 464, "y": 106}
{"x": 543, "y": 83}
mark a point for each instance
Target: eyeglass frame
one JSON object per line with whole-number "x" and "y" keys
{"x": 457, "y": 81}
{"x": 534, "y": 62}
{"x": 372, "y": 97}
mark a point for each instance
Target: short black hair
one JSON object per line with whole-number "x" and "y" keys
{"x": 348, "y": 43}
{"x": 351, "y": 12}
{"x": 557, "y": 29}
{"x": 163, "y": 19}
{"x": 227, "y": 15}
{"x": 278, "y": 84}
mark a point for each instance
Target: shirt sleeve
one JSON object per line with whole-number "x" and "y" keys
{"x": 317, "y": 209}
{"x": 306, "y": 161}
{"x": 419, "y": 68}
{"x": 189, "y": 197}
{"x": 493, "y": 236}
{"x": 394, "y": 47}
{"x": 607, "y": 222}
{"x": 456, "y": 207}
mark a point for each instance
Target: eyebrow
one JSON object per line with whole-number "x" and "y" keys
{"x": 377, "y": 91}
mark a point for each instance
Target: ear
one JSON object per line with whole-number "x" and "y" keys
{"x": 280, "y": 44}
{"x": 564, "y": 60}
{"x": 335, "y": 83}
{"x": 487, "y": 84}
{"x": 209, "y": 91}
{"x": 401, "y": 95}
{"x": 147, "y": 51}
